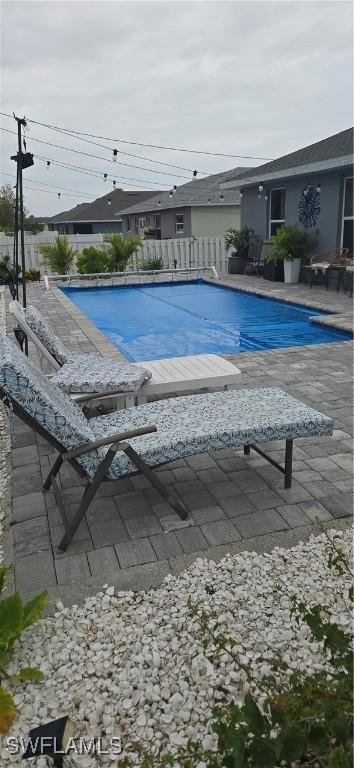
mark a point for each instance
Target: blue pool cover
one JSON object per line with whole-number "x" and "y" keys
{"x": 150, "y": 322}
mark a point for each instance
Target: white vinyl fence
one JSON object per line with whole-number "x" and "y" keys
{"x": 181, "y": 253}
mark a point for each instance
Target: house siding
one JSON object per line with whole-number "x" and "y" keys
{"x": 255, "y": 211}
{"x": 213, "y": 222}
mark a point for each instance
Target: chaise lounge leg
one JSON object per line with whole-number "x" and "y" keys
{"x": 53, "y": 473}
{"x": 171, "y": 498}
{"x": 288, "y": 463}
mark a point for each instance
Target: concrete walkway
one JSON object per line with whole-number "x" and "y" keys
{"x": 236, "y": 502}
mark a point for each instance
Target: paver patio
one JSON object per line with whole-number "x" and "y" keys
{"x": 236, "y": 502}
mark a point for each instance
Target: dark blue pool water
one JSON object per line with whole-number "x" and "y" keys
{"x": 149, "y": 322}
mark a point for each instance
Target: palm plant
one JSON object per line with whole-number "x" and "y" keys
{"x": 59, "y": 255}
{"x": 121, "y": 249}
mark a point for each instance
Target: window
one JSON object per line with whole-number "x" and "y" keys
{"x": 179, "y": 223}
{"x": 276, "y": 210}
{"x": 157, "y": 221}
{"x": 348, "y": 215}
{"x": 128, "y": 225}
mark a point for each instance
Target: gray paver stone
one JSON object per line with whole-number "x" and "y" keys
{"x": 135, "y": 553}
{"x": 102, "y": 560}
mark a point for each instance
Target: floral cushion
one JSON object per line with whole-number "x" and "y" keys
{"x": 93, "y": 373}
{"x": 46, "y": 334}
{"x": 208, "y": 422}
{"x": 45, "y": 402}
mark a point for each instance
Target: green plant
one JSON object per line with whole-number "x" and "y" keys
{"x": 291, "y": 242}
{"x": 151, "y": 263}
{"x": 9, "y": 275}
{"x": 122, "y": 248}
{"x": 33, "y": 275}
{"x": 239, "y": 239}
{"x": 15, "y": 617}
{"x": 59, "y": 255}
{"x": 303, "y": 719}
{"x": 92, "y": 260}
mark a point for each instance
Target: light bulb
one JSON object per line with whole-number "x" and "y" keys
{"x": 174, "y": 188}
{"x": 171, "y": 193}
{"x": 318, "y": 189}
{"x": 109, "y": 202}
{"x": 209, "y": 201}
{"x": 114, "y": 184}
{"x": 260, "y": 187}
{"x": 159, "y": 203}
{"x": 241, "y": 194}
{"x": 221, "y": 197}
{"x": 105, "y": 175}
{"x": 194, "y": 175}
{"x": 48, "y": 165}
{"x": 115, "y": 155}
{"x": 59, "y": 195}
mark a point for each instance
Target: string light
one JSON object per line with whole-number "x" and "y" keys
{"x": 114, "y": 184}
{"x": 241, "y": 194}
{"x": 59, "y": 195}
{"x": 260, "y": 187}
{"x": 171, "y": 193}
{"x": 194, "y": 175}
{"x": 105, "y": 176}
{"x": 221, "y": 197}
{"x": 109, "y": 202}
{"x": 209, "y": 201}
{"x": 47, "y": 165}
{"x": 159, "y": 203}
{"x": 115, "y": 155}
{"x": 266, "y": 196}
{"x": 318, "y": 188}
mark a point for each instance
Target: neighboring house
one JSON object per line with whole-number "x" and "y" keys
{"x": 312, "y": 187}
{"x": 199, "y": 208}
{"x": 101, "y": 216}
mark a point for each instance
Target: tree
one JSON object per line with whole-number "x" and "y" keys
{"x": 121, "y": 249}
{"x": 7, "y": 212}
{"x": 59, "y": 256}
{"x": 7, "y": 208}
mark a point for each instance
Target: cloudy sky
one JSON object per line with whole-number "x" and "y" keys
{"x": 240, "y": 78}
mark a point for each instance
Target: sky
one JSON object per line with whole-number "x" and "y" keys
{"x": 256, "y": 79}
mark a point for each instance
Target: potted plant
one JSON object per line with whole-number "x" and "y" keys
{"x": 239, "y": 240}
{"x": 292, "y": 245}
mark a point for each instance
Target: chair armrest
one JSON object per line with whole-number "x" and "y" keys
{"x": 109, "y": 440}
{"x": 96, "y": 395}
{"x": 318, "y": 257}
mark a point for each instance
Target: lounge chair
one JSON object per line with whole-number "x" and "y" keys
{"x": 78, "y": 373}
{"x": 322, "y": 264}
{"x": 102, "y": 449}
{"x": 93, "y": 373}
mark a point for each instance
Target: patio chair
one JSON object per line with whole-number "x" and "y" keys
{"x": 78, "y": 373}
{"x": 94, "y": 373}
{"x": 322, "y": 264}
{"x": 255, "y": 259}
{"x": 102, "y": 449}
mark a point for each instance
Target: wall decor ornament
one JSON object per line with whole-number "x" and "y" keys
{"x": 309, "y": 207}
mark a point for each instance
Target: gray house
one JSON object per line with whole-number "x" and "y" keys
{"x": 101, "y": 216}
{"x": 199, "y": 208}
{"x": 312, "y": 187}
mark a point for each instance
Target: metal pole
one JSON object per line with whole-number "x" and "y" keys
{"x": 16, "y": 237}
{"x": 22, "y": 232}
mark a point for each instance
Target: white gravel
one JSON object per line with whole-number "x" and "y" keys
{"x": 133, "y": 666}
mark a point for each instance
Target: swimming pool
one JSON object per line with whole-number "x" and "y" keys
{"x": 149, "y": 322}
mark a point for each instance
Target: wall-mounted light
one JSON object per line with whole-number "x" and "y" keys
{"x": 260, "y": 187}
{"x": 115, "y": 155}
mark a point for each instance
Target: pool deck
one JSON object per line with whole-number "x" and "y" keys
{"x": 237, "y": 502}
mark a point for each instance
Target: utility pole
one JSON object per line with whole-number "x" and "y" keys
{"x": 22, "y": 160}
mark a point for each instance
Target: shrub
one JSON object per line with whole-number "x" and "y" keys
{"x": 152, "y": 262}
{"x": 33, "y": 275}
{"x": 9, "y": 275}
{"x": 15, "y": 617}
{"x": 239, "y": 239}
{"x": 92, "y": 260}
{"x": 292, "y": 242}
{"x": 59, "y": 255}
{"x": 121, "y": 249}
